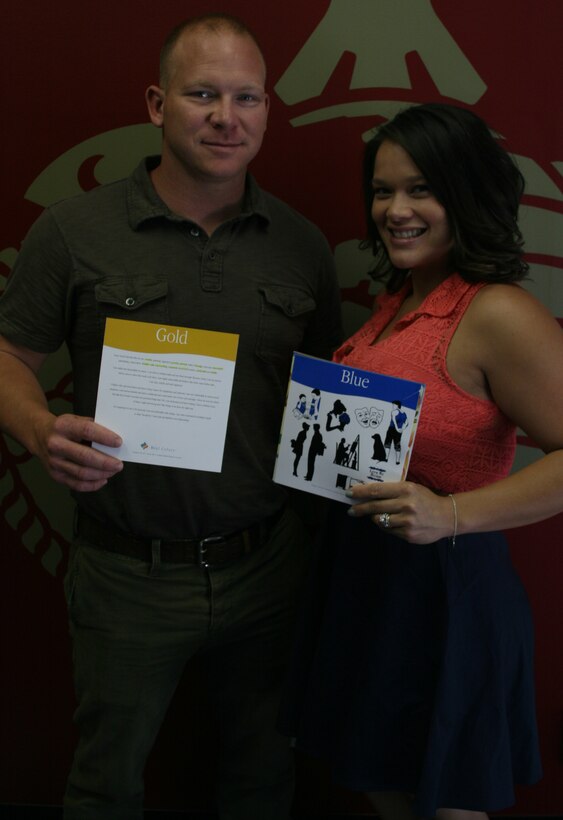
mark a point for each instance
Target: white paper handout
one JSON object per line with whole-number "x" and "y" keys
{"x": 166, "y": 391}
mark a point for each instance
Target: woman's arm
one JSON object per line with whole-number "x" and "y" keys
{"x": 510, "y": 341}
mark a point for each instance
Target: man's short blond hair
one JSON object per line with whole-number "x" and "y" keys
{"x": 214, "y": 22}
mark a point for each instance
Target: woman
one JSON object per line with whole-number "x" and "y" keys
{"x": 414, "y": 677}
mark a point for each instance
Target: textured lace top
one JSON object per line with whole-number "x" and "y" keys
{"x": 462, "y": 441}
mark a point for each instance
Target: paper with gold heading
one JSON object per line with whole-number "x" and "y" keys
{"x": 166, "y": 390}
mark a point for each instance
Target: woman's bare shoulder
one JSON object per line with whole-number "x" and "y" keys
{"x": 501, "y": 310}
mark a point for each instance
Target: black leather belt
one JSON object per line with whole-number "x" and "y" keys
{"x": 204, "y": 552}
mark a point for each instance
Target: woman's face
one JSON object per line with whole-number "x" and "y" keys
{"x": 411, "y": 222}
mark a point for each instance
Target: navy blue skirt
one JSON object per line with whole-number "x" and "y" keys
{"x": 413, "y": 670}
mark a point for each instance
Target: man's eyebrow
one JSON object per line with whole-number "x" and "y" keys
{"x": 212, "y": 85}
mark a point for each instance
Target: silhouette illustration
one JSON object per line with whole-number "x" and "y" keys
{"x": 316, "y": 448}
{"x": 297, "y": 445}
{"x": 337, "y": 418}
{"x": 396, "y": 426}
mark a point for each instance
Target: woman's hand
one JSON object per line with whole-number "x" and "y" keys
{"x": 405, "y": 509}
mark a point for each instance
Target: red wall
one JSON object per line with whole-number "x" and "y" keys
{"x": 75, "y": 72}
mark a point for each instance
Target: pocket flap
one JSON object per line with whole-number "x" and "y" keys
{"x": 130, "y": 294}
{"x": 291, "y": 301}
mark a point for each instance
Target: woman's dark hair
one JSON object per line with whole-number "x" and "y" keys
{"x": 473, "y": 178}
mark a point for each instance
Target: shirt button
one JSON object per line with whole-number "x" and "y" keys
{"x": 212, "y": 255}
{"x": 194, "y": 232}
{"x": 129, "y": 301}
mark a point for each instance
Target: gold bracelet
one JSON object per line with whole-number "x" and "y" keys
{"x": 455, "y": 518}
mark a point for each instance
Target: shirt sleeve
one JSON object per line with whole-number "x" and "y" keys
{"x": 33, "y": 305}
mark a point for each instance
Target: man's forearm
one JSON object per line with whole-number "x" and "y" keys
{"x": 23, "y": 405}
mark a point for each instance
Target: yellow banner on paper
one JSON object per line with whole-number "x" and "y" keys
{"x": 148, "y": 337}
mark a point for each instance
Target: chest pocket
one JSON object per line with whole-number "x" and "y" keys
{"x": 284, "y": 315}
{"x": 143, "y": 300}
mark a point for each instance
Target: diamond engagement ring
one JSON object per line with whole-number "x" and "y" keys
{"x": 384, "y": 520}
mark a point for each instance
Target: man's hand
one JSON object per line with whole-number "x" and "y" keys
{"x": 64, "y": 447}
{"x": 62, "y": 443}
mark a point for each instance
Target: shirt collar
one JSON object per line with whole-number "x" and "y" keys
{"x": 144, "y": 204}
{"x": 439, "y": 302}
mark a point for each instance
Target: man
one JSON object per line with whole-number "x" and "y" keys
{"x": 168, "y": 563}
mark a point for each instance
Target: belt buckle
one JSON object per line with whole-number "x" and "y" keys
{"x": 202, "y": 549}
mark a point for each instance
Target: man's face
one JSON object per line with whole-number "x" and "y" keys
{"x": 214, "y": 108}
